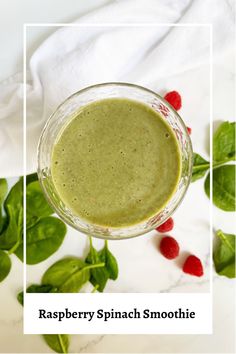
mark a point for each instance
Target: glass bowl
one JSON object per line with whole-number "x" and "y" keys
{"x": 65, "y": 112}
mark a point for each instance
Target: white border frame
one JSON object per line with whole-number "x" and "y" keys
{"x": 27, "y": 25}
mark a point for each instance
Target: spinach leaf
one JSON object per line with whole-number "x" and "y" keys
{"x": 5, "y": 265}
{"x": 224, "y": 254}
{"x": 223, "y": 187}
{"x": 68, "y": 275}
{"x": 44, "y": 234}
{"x": 31, "y": 178}
{"x": 13, "y": 205}
{"x": 20, "y": 298}
{"x": 11, "y": 233}
{"x": 36, "y": 204}
{"x": 99, "y": 276}
{"x": 200, "y": 167}
{"x": 3, "y": 192}
{"x": 224, "y": 142}
{"x": 15, "y": 196}
{"x": 110, "y": 261}
{"x": 34, "y": 288}
{"x": 57, "y": 342}
{"x": 42, "y": 240}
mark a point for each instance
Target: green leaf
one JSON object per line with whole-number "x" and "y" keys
{"x": 57, "y": 342}
{"x": 224, "y": 142}
{"x": 13, "y": 205}
{"x": 36, "y": 205}
{"x": 3, "y": 193}
{"x": 99, "y": 276}
{"x": 223, "y": 187}
{"x": 110, "y": 261}
{"x": 31, "y": 178}
{"x": 5, "y": 265}
{"x": 44, "y": 234}
{"x": 68, "y": 275}
{"x": 11, "y": 234}
{"x": 224, "y": 254}
{"x": 200, "y": 167}
{"x": 3, "y": 190}
{"x": 34, "y": 288}
{"x": 20, "y": 298}
{"x": 3, "y": 224}
{"x": 15, "y": 196}
{"x": 43, "y": 239}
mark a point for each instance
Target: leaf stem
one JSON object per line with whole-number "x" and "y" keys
{"x": 207, "y": 165}
{"x": 90, "y": 241}
{"x": 95, "y": 288}
{"x": 218, "y": 164}
{"x": 221, "y": 235}
{"x": 201, "y": 167}
{"x": 98, "y": 265}
{"x": 14, "y": 247}
{"x": 62, "y": 344}
{"x": 106, "y": 244}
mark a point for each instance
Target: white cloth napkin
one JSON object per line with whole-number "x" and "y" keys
{"x": 75, "y": 57}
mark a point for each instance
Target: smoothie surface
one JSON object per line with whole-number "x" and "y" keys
{"x": 116, "y": 163}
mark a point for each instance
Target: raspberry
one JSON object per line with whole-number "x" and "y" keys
{"x": 166, "y": 226}
{"x": 189, "y": 130}
{"x": 169, "y": 247}
{"x": 174, "y": 99}
{"x": 193, "y": 266}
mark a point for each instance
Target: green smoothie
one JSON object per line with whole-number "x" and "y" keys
{"x": 116, "y": 163}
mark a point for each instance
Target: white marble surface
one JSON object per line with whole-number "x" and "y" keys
{"x": 142, "y": 268}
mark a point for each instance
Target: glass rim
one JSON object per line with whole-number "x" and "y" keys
{"x": 94, "y": 233}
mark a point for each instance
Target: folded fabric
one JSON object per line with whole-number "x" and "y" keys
{"x": 129, "y": 41}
